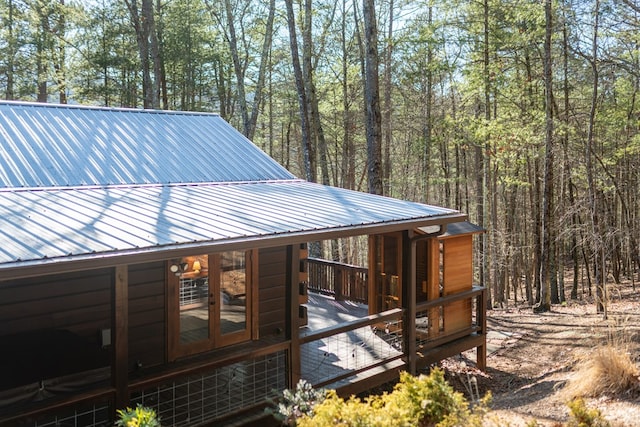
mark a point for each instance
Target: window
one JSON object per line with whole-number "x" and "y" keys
{"x": 211, "y": 301}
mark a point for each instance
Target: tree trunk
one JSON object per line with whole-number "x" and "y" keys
{"x": 348, "y": 152}
{"x": 12, "y": 49}
{"x": 388, "y": 109}
{"x": 481, "y": 161}
{"x": 302, "y": 98}
{"x": 372, "y": 99}
{"x": 319, "y": 145}
{"x": 547, "y": 249}
{"x": 141, "y": 27}
{"x": 265, "y": 57}
{"x": 594, "y": 205}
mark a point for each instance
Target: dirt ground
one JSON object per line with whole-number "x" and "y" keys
{"x": 531, "y": 357}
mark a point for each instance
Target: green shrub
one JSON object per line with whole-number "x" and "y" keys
{"x": 138, "y": 417}
{"x": 415, "y": 401}
{"x": 581, "y": 416}
{"x": 297, "y": 403}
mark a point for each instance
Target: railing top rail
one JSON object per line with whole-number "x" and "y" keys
{"x": 336, "y": 264}
{"x": 394, "y": 314}
{"x": 475, "y": 291}
{"x": 204, "y": 365}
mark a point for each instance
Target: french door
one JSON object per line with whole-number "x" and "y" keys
{"x": 211, "y": 301}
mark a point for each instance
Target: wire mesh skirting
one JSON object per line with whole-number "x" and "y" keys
{"x": 89, "y": 415}
{"x": 198, "y": 398}
{"x": 334, "y": 356}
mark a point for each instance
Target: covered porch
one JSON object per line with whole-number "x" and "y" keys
{"x": 350, "y": 345}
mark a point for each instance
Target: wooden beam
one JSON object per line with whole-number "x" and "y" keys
{"x": 120, "y": 363}
{"x": 451, "y": 349}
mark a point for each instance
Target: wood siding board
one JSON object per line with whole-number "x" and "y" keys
{"x": 457, "y": 277}
{"x": 55, "y": 285}
{"x": 273, "y": 305}
{"x": 47, "y": 303}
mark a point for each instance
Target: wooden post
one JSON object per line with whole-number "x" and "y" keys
{"x": 120, "y": 322}
{"x": 409, "y": 303}
{"x": 433, "y": 284}
{"x": 481, "y": 316}
{"x": 293, "y": 270}
{"x": 337, "y": 283}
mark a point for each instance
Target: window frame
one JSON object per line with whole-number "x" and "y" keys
{"x": 216, "y": 339}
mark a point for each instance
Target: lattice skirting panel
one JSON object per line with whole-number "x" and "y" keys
{"x": 89, "y": 415}
{"x": 204, "y": 397}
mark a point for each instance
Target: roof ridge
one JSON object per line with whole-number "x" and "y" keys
{"x": 106, "y": 109}
{"x": 147, "y": 185}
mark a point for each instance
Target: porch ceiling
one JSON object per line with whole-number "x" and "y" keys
{"x": 99, "y": 225}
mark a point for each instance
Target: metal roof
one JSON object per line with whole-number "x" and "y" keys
{"x": 40, "y": 225}
{"x": 43, "y": 223}
{"x": 48, "y": 145}
{"x": 460, "y": 228}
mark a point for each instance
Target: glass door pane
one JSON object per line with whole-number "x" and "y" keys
{"x": 194, "y": 298}
{"x": 233, "y": 292}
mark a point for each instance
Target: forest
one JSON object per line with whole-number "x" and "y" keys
{"x": 522, "y": 113}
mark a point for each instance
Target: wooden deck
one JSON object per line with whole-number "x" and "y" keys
{"x": 348, "y": 343}
{"x": 324, "y": 311}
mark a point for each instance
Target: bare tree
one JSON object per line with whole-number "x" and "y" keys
{"x": 307, "y": 149}
{"x": 143, "y": 22}
{"x": 372, "y": 99}
{"x": 547, "y": 193}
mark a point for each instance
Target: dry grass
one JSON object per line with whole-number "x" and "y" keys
{"x": 608, "y": 370}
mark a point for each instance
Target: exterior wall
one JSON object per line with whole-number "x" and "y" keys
{"x": 79, "y": 302}
{"x": 272, "y": 297}
{"x": 147, "y": 306}
{"x": 49, "y": 328}
{"x": 147, "y": 315}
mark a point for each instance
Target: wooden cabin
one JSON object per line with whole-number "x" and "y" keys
{"x": 160, "y": 258}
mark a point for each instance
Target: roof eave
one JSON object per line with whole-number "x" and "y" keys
{"x": 32, "y": 268}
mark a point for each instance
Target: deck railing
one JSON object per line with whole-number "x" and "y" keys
{"x": 342, "y": 281}
{"x": 368, "y": 344}
{"x": 436, "y": 341}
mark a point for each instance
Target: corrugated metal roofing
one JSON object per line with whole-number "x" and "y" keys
{"x": 36, "y": 225}
{"x": 462, "y": 227}
{"x": 254, "y": 198}
{"x": 46, "y": 145}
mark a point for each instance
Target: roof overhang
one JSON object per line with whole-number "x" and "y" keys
{"x": 51, "y": 231}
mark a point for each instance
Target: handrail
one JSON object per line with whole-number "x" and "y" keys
{"x": 201, "y": 366}
{"x": 445, "y": 300}
{"x": 343, "y": 281}
{"x": 348, "y": 374}
{"x": 336, "y": 263}
{"x": 394, "y": 314}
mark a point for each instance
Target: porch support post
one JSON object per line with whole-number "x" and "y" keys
{"x": 410, "y": 312}
{"x": 293, "y": 333}
{"x": 410, "y": 305}
{"x": 481, "y": 316}
{"x": 120, "y": 322}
